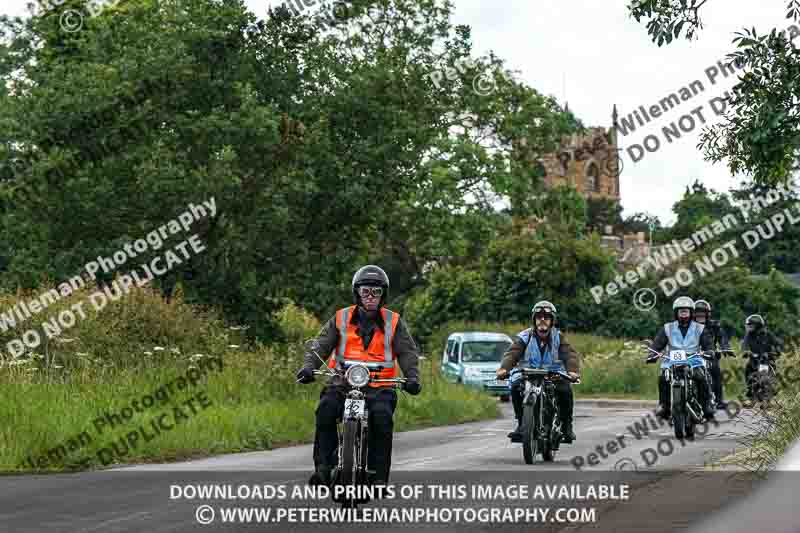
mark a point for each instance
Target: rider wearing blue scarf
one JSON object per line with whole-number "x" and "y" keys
{"x": 541, "y": 346}
{"x": 683, "y": 334}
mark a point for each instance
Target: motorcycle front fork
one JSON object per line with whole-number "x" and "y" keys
{"x": 545, "y": 403}
{"x": 362, "y": 455}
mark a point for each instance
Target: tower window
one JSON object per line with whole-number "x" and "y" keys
{"x": 592, "y": 178}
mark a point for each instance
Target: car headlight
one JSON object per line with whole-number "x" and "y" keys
{"x": 357, "y": 375}
{"x": 472, "y": 372}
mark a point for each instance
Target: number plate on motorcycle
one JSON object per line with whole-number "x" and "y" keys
{"x": 677, "y": 355}
{"x": 354, "y": 408}
{"x": 763, "y": 368}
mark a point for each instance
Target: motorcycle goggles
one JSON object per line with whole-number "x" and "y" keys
{"x": 364, "y": 291}
{"x": 543, "y": 315}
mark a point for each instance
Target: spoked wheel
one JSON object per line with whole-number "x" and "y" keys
{"x": 529, "y": 433}
{"x": 550, "y": 442}
{"x": 679, "y": 414}
{"x": 350, "y": 449}
{"x": 764, "y": 388}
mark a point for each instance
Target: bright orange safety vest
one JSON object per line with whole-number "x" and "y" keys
{"x": 378, "y": 353}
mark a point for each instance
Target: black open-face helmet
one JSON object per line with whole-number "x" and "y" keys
{"x": 702, "y": 306}
{"x": 754, "y": 323}
{"x": 373, "y": 276}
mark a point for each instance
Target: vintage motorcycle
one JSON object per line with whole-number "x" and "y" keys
{"x": 353, "y": 429}
{"x": 685, "y": 408}
{"x": 763, "y": 380}
{"x": 541, "y": 423}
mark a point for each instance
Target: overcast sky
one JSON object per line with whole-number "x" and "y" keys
{"x": 591, "y": 53}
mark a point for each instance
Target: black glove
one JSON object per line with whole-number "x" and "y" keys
{"x": 412, "y": 387}
{"x": 651, "y": 359}
{"x": 305, "y": 375}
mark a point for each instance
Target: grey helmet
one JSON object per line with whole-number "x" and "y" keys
{"x": 683, "y": 302}
{"x": 546, "y": 307}
{"x": 370, "y": 275}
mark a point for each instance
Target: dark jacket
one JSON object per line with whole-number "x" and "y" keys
{"x": 661, "y": 341}
{"x": 719, "y": 335}
{"x": 566, "y": 354}
{"x": 403, "y": 345}
{"x": 761, "y": 341}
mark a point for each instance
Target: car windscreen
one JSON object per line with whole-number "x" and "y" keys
{"x": 483, "y": 351}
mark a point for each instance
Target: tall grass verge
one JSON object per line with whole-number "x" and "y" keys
{"x": 51, "y": 397}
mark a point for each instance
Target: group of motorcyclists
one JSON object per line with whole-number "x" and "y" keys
{"x": 368, "y": 333}
{"x": 693, "y": 331}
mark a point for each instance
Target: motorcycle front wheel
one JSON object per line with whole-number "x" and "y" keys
{"x": 549, "y": 444}
{"x": 764, "y": 387}
{"x": 529, "y": 433}
{"x": 679, "y": 413}
{"x": 350, "y": 437}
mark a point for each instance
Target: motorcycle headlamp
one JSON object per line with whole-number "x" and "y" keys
{"x": 357, "y": 375}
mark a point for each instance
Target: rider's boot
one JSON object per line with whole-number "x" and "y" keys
{"x": 322, "y": 476}
{"x": 516, "y": 435}
{"x": 663, "y": 410}
{"x": 567, "y": 434}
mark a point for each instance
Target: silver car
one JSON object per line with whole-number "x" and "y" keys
{"x": 473, "y": 357}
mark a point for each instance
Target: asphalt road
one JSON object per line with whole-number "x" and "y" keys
{"x": 151, "y": 498}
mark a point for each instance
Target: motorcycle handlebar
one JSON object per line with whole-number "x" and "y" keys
{"x": 385, "y": 380}
{"x": 550, "y": 373}
{"x": 771, "y": 355}
{"x": 705, "y": 355}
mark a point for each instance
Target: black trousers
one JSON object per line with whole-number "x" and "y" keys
{"x": 700, "y": 382}
{"x": 716, "y": 378}
{"x": 564, "y": 398}
{"x": 381, "y": 403}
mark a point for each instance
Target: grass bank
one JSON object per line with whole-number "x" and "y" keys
{"x": 145, "y": 381}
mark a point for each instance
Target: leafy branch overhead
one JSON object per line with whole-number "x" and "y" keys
{"x": 667, "y": 18}
{"x": 759, "y": 134}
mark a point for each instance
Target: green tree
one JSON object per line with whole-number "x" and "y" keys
{"x": 324, "y": 145}
{"x": 550, "y": 263}
{"x": 699, "y": 208}
{"x": 776, "y": 247}
{"x": 563, "y": 207}
{"x": 602, "y": 212}
{"x": 759, "y": 131}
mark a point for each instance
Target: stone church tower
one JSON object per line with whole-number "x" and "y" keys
{"x": 589, "y": 163}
